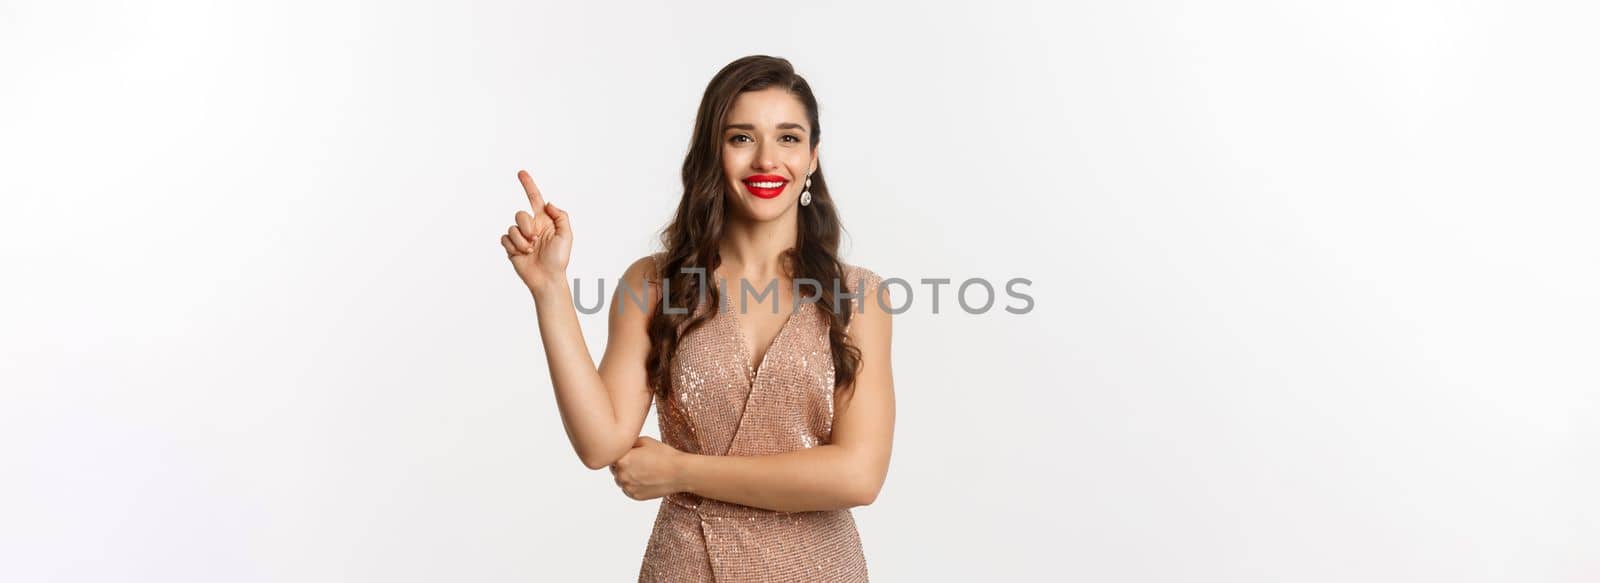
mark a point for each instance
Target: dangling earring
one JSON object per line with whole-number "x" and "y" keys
{"x": 805, "y": 195}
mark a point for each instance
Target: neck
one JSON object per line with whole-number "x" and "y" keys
{"x": 754, "y": 251}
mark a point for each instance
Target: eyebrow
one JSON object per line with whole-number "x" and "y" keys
{"x": 788, "y": 125}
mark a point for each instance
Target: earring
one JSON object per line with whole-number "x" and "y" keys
{"x": 805, "y": 195}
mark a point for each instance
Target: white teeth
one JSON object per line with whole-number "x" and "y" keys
{"x": 766, "y": 184}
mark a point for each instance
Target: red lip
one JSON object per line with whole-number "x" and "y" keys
{"x": 765, "y": 192}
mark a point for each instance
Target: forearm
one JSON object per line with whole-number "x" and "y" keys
{"x": 826, "y": 477}
{"x": 587, "y": 411}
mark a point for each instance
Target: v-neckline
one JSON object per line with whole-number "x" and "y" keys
{"x": 754, "y": 370}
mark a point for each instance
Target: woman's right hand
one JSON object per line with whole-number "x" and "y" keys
{"x": 540, "y": 243}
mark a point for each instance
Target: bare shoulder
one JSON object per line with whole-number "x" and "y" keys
{"x": 871, "y": 316}
{"x": 639, "y": 284}
{"x": 861, "y": 279}
{"x": 644, "y": 268}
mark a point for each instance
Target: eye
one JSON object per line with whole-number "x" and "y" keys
{"x": 737, "y": 138}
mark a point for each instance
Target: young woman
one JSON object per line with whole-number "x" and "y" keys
{"x": 776, "y": 421}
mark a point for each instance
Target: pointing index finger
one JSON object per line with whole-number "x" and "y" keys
{"x": 534, "y": 197}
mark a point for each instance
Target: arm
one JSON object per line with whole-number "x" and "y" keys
{"x": 826, "y": 477}
{"x": 602, "y": 409}
{"x": 847, "y": 472}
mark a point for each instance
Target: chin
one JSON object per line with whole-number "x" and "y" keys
{"x": 762, "y": 210}
{"x": 766, "y": 209}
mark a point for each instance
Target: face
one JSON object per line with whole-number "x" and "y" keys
{"x": 766, "y": 153}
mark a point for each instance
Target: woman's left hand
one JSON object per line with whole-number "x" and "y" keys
{"x": 650, "y": 470}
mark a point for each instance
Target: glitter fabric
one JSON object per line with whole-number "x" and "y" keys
{"x": 720, "y": 405}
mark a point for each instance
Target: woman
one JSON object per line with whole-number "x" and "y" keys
{"x": 775, "y": 421}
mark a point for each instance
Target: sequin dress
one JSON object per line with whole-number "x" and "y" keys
{"x": 720, "y": 405}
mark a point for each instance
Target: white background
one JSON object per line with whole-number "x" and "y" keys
{"x": 1315, "y": 282}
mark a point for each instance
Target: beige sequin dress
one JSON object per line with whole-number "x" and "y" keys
{"x": 720, "y": 405}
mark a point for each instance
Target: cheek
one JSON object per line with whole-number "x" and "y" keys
{"x": 732, "y": 158}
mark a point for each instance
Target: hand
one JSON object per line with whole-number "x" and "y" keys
{"x": 539, "y": 244}
{"x": 650, "y": 470}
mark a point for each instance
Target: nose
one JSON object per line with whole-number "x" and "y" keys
{"x": 764, "y": 160}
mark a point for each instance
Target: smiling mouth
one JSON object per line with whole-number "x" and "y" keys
{"x": 765, "y": 188}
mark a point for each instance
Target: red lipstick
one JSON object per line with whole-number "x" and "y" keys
{"x": 767, "y": 190}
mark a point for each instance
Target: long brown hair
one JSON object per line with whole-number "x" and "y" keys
{"x": 691, "y": 239}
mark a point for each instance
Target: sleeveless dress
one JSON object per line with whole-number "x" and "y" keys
{"x": 720, "y": 405}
